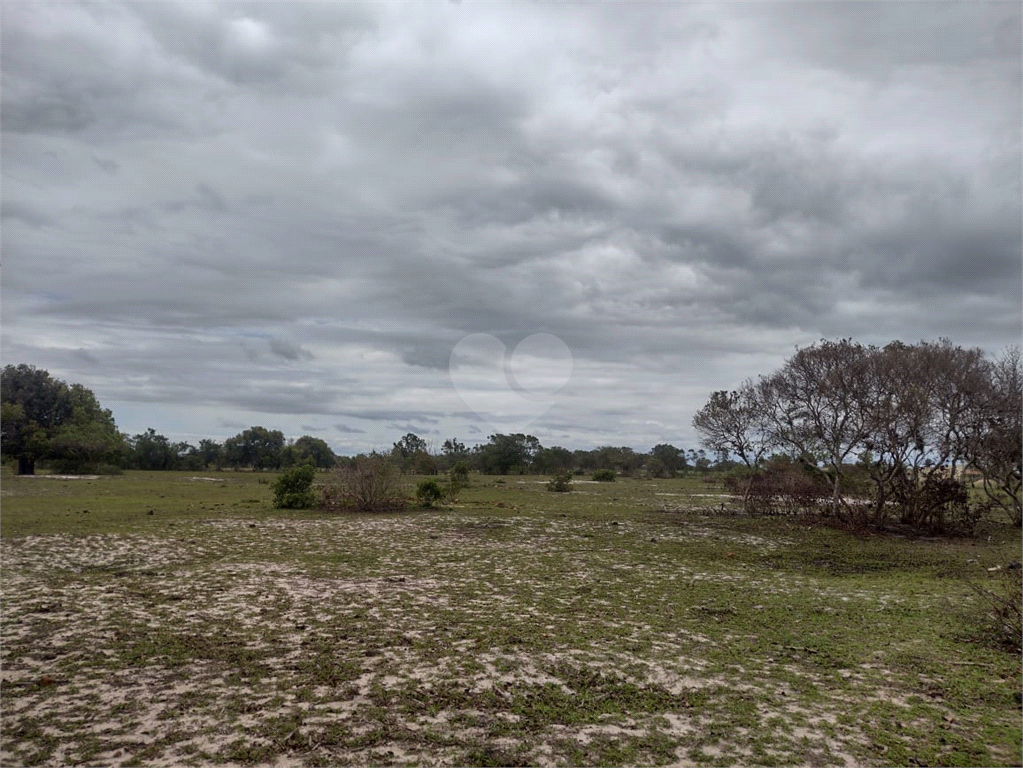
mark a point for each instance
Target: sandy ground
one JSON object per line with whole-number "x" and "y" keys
{"x": 325, "y": 642}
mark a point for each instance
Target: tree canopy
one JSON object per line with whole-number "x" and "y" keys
{"x": 916, "y": 417}
{"x": 44, "y": 418}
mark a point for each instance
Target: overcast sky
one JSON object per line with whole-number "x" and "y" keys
{"x": 289, "y": 214}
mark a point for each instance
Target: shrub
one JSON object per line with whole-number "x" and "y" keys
{"x": 458, "y": 478}
{"x": 562, "y": 483}
{"x": 999, "y": 615}
{"x": 656, "y": 468}
{"x": 460, "y": 472}
{"x": 938, "y": 504}
{"x": 604, "y": 475}
{"x": 428, "y": 492}
{"x": 780, "y": 491}
{"x": 293, "y": 488}
{"x": 423, "y": 464}
{"x": 366, "y": 484}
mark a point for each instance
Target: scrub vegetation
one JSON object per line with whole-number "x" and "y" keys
{"x": 164, "y": 618}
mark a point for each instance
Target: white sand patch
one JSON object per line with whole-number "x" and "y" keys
{"x": 416, "y": 633}
{"x": 59, "y": 477}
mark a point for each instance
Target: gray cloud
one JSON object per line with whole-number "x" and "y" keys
{"x": 377, "y": 415}
{"x": 345, "y": 429}
{"x": 289, "y": 351}
{"x": 259, "y": 213}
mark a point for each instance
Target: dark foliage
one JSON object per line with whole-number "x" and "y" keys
{"x": 293, "y": 489}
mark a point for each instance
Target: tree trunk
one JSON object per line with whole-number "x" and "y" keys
{"x": 26, "y": 465}
{"x": 836, "y": 497}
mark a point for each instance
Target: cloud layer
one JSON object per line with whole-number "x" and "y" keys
{"x": 225, "y": 214}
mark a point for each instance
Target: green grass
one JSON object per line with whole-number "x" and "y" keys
{"x": 622, "y": 623}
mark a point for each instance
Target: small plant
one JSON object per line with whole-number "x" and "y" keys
{"x": 429, "y": 492}
{"x": 604, "y": 475}
{"x": 293, "y": 489}
{"x": 458, "y": 478}
{"x": 999, "y": 614}
{"x": 561, "y": 483}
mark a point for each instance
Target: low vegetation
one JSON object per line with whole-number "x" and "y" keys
{"x": 560, "y": 483}
{"x": 428, "y": 493}
{"x": 999, "y": 613}
{"x": 164, "y": 618}
{"x": 370, "y": 484}
{"x": 293, "y": 488}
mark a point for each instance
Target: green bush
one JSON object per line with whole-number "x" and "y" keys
{"x": 458, "y": 478}
{"x": 460, "y": 472}
{"x": 428, "y": 493}
{"x": 562, "y": 483}
{"x": 293, "y": 488}
{"x": 604, "y": 475}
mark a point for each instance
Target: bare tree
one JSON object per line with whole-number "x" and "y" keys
{"x": 956, "y": 379}
{"x": 914, "y": 415}
{"x": 819, "y": 404}
{"x": 899, "y": 414}
{"x": 736, "y": 423}
{"x": 994, "y": 444}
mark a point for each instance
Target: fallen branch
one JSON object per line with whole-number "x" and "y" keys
{"x": 798, "y": 648}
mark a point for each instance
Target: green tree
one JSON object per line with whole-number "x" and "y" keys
{"x": 507, "y": 453}
{"x": 454, "y": 449}
{"x": 211, "y": 454}
{"x": 672, "y": 460}
{"x": 309, "y": 450}
{"x": 150, "y": 450}
{"x": 46, "y": 419}
{"x": 452, "y": 452}
{"x": 257, "y": 447}
{"x": 23, "y": 437}
{"x": 549, "y": 461}
{"x": 409, "y": 445}
{"x": 620, "y": 459}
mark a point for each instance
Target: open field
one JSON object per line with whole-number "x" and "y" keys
{"x": 159, "y": 619}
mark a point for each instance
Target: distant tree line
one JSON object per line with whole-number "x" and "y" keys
{"x": 63, "y": 427}
{"x": 255, "y": 448}
{"x": 519, "y": 454}
{"x": 909, "y": 427}
{"x": 48, "y": 422}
